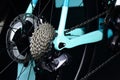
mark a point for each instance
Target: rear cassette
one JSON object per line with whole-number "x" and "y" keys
{"x": 41, "y": 41}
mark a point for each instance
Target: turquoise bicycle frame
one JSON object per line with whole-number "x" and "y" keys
{"x": 75, "y": 38}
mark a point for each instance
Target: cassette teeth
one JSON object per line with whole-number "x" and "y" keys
{"x": 41, "y": 40}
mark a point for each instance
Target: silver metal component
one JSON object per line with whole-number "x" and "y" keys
{"x": 117, "y": 3}
{"x": 16, "y": 25}
{"x": 60, "y": 61}
{"x": 41, "y": 40}
{"x": 55, "y": 63}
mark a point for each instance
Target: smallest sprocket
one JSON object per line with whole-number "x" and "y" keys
{"x": 41, "y": 40}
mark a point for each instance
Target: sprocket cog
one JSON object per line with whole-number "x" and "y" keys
{"x": 41, "y": 40}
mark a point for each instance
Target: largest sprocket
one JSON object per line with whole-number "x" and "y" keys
{"x": 41, "y": 40}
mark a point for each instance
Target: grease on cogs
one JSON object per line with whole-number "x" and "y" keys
{"x": 41, "y": 40}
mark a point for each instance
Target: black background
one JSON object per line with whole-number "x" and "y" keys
{"x": 111, "y": 71}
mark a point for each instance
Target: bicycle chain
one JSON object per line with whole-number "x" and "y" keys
{"x": 87, "y": 21}
{"x": 109, "y": 59}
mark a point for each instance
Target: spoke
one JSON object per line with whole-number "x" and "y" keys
{"x": 5, "y": 49}
{"x": 51, "y": 11}
{"x": 12, "y": 29}
{"x": 39, "y": 4}
{"x": 81, "y": 63}
{"x": 100, "y": 66}
{"x": 44, "y": 8}
{"x": 12, "y": 61}
{"x": 11, "y": 46}
{"x": 6, "y": 67}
